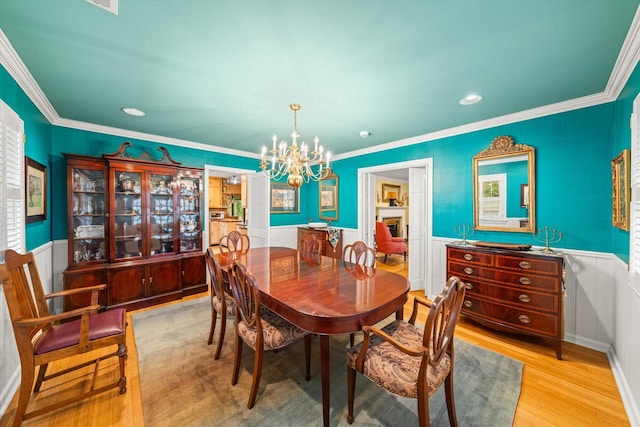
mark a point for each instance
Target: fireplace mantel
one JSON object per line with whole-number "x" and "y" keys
{"x": 383, "y": 212}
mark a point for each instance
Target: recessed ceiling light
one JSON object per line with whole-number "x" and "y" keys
{"x": 133, "y": 111}
{"x": 364, "y": 133}
{"x": 470, "y": 99}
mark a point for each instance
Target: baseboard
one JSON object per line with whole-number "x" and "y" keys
{"x": 630, "y": 405}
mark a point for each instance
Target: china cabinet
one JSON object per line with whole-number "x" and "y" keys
{"x": 135, "y": 224}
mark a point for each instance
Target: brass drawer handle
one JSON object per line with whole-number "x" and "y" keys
{"x": 524, "y": 318}
{"x": 524, "y": 298}
{"x": 468, "y": 270}
{"x": 468, "y": 286}
{"x": 525, "y": 264}
{"x": 467, "y": 303}
{"x": 468, "y": 257}
{"x": 525, "y": 280}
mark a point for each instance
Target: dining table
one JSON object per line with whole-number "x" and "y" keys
{"x": 322, "y": 295}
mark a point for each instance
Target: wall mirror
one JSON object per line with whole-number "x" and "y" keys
{"x": 504, "y": 187}
{"x": 328, "y": 194}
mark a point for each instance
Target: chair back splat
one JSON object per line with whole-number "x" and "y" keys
{"x": 41, "y": 338}
{"x": 359, "y": 253}
{"x": 409, "y": 361}
{"x": 235, "y": 241}
{"x": 259, "y": 328}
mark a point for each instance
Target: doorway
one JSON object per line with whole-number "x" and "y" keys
{"x": 420, "y": 212}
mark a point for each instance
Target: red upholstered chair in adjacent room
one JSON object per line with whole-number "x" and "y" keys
{"x": 41, "y": 339}
{"x": 409, "y": 361}
{"x": 387, "y": 244}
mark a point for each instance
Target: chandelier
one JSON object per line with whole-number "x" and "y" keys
{"x": 293, "y": 161}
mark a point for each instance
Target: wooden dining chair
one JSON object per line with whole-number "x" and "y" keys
{"x": 260, "y": 328}
{"x": 235, "y": 241}
{"x": 41, "y": 339}
{"x": 359, "y": 253}
{"x": 408, "y": 361}
{"x": 222, "y": 302}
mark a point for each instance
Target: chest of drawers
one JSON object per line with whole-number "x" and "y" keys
{"x": 512, "y": 291}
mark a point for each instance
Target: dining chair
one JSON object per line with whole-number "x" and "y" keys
{"x": 355, "y": 256}
{"x": 311, "y": 249}
{"x": 408, "y": 361}
{"x": 235, "y": 241}
{"x": 359, "y": 253}
{"x": 222, "y": 302}
{"x": 260, "y": 328}
{"x": 41, "y": 339}
{"x": 387, "y": 244}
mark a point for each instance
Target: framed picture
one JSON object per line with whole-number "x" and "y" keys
{"x": 328, "y": 198}
{"x": 35, "y": 190}
{"x": 390, "y": 191}
{"x": 621, "y": 187}
{"x": 284, "y": 199}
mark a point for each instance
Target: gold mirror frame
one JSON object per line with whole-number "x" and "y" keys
{"x": 620, "y": 186}
{"x": 504, "y": 150}
{"x": 328, "y": 197}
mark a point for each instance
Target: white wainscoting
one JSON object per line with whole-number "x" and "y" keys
{"x": 9, "y": 359}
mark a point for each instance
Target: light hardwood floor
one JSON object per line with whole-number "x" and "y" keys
{"x": 577, "y": 391}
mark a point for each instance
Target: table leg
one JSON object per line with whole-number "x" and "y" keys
{"x": 325, "y": 371}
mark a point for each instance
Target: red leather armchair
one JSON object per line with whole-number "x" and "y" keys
{"x": 388, "y": 244}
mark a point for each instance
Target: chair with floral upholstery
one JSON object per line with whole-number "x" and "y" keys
{"x": 222, "y": 302}
{"x": 260, "y": 328}
{"x": 408, "y": 361}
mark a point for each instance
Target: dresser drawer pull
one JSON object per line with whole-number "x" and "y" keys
{"x": 467, "y": 303}
{"x": 524, "y": 298}
{"x": 468, "y": 270}
{"x": 525, "y": 280}
{"x": 524, "y": 318}
{"x": 468, "y": 257}
{"x": 468, "y": 286}
{"x": 525, "y": 264}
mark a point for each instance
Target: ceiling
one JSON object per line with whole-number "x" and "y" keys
{"x": 223, "y": 73}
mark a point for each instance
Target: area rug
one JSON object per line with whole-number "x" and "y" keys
{"x": 182, "y": 385}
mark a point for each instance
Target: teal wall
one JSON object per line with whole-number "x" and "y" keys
{"x": 573, "y": 185}
{"x": 38, "y": 144}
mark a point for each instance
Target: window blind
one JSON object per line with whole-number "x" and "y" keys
{"x": 12, "y": 210}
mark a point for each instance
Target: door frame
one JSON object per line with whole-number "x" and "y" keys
{"x": 366, "y": 204}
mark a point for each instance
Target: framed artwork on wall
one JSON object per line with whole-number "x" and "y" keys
{"x": 620, "y": 188}
{"x": 35, "y": 190}
{"x": 284, "y": 199}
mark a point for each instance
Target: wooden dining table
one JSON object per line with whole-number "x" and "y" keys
{"x": 322, "y": 295}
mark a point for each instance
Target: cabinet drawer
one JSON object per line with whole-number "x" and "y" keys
{"x": 520, "y": 297}
{"x": 529, "y": 281}
{"x": 534, "y": 265}
{"x": 526, "y": 320}
{"x": 470, "y": 256}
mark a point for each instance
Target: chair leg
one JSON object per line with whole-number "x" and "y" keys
{"x": 223, "y": 327}
{"x": 236, "y": 362}
{"x": 26, "y": 382}
{"x": 385, "y": 257}
{"x": 451, "y": 404}
{"x": 214, "y": 317}
{"x": 351, "y": 339}
{"x": 405, "y": 256}
{"x": 423, "y": 410}
{"x": 257, "y": 371}
{"x": 122, "y": 356}
{"x": 351, "y": 389}
{"x": 42, "y": 371}
{"x": 307, "y": 357}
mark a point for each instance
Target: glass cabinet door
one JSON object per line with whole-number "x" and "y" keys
{"x": 88, "y": 215}
{"x": 190, "y": 221}
{"x": 161, "y": 214}
{"x": 127, "y": 215}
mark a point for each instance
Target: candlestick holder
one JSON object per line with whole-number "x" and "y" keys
{"x": 464, "y": 231}
{"x": 543, "y": 236}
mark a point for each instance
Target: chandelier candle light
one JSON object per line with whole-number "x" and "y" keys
{"x": 295, "y": 162}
